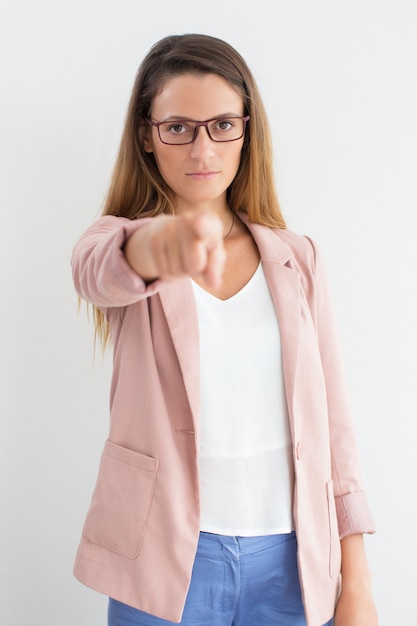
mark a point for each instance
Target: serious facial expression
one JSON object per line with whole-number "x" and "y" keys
{"x": 198, "y": 173}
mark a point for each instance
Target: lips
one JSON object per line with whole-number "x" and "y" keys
{"x": 202, "y": 175}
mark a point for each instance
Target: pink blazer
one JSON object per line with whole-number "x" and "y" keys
{"x": 140, "y": 536}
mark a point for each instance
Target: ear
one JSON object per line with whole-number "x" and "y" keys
{"x": 145, "y": 136}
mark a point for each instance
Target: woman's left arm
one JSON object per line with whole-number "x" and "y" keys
{"x": 355, "y": 606}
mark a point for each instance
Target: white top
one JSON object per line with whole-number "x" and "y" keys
{"x": 246, "y": 469}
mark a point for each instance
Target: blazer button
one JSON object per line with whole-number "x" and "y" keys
{"x": 299, "y": 451}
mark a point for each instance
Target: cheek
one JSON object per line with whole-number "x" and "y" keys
{"x": 167, "y": 165}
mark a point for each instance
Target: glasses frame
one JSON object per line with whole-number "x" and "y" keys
{"x": 198, "y": 123}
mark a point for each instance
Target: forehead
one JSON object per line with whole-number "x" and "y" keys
{"x": 196, "y": 96}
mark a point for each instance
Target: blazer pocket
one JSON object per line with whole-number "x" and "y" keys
{"x": 335, "y": 552}
{"x": 121, "y": 500}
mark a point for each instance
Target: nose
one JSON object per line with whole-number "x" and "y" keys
{"x": 202, "y": 146}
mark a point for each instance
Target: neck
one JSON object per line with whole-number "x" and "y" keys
{"x": 230, "y": 229}
{"x": 218, "y": 206}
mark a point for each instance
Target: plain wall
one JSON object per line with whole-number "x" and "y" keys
{"x": 339, "y": 82}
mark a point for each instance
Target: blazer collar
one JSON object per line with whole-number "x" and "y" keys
{"x": 270, "y": 244}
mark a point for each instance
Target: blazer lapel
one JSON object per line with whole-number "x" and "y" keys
{"x": 178, "y": 302}
{"x": 284, "y": 284}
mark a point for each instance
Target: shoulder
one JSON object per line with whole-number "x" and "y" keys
{"x": 301, "y": 245}
{"x": 111, "y": 223}
{"x": 109, "y": 229}
{"x": 281, "y": 244}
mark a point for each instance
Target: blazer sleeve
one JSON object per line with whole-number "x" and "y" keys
{"x": 101, "y": 274}
{"x": 351, "y": 503}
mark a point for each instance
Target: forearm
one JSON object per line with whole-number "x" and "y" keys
{"x": 101, "y": 272}
{"x": 355, "y": 606}
{"x": 355, "y": 568}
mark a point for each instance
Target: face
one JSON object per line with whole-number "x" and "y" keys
{"x": 198, "y": 173}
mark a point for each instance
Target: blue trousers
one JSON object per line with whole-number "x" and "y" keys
{"x": 236, "y": 581}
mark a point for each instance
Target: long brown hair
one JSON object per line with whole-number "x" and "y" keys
{"x": 137, "y": 188}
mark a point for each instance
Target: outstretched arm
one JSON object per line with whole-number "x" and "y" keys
{"x": 120, "y": 261}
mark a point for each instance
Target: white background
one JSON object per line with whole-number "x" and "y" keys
{"x": 339, "y": 82}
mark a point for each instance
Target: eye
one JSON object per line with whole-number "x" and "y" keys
{"x": 177, "y": 128}
{"x": 224, "y": 125}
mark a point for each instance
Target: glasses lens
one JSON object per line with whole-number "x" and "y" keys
{"x": 179, "y": 132}
{"x": 226, "y": 129}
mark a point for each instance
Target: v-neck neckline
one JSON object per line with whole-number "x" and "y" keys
{"x": 241, "y": 291}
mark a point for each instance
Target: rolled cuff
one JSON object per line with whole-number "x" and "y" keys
{"x": 353, "y": 514}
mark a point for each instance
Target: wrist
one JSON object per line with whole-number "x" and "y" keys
{"x": 357, "y": 584}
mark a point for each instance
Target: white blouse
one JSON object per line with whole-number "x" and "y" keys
{"x": 246, "y": 469}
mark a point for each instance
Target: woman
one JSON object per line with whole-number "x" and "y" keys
{"x": 228, "y": 490}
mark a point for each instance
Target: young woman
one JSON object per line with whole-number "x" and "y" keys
{"x": 228, "y": 491}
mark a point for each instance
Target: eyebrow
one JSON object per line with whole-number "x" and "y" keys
{"x": 182, "y": 118}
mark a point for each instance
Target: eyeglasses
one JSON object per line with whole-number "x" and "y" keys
{"x": 180, "y": 132}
